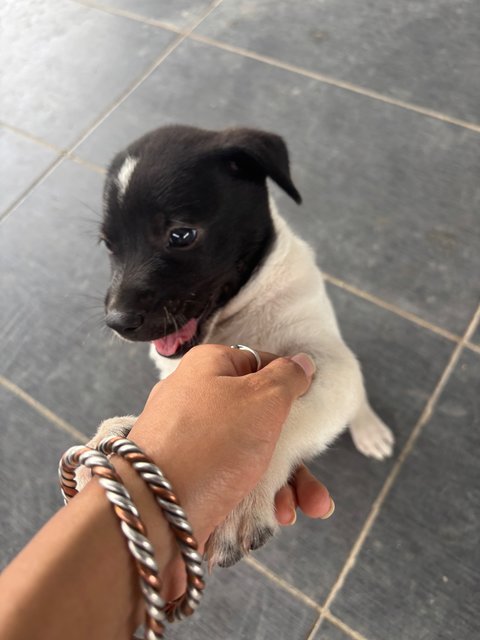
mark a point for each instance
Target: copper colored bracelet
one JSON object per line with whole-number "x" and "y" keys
{"x": 134, "y": 529}
{"x": 130, "y": 522}
{"x": 176, "y": 517}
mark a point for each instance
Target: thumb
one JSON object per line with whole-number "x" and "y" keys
{"x": 291, "y": 376}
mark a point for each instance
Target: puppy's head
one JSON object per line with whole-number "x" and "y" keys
{"x": 186, "y": 221}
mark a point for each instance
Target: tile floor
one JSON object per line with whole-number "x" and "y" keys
{"x": 378, "y": 102}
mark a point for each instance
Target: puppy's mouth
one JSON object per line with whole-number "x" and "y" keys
{"x": 186, "y": 336}
{"x": 178, "y": 342}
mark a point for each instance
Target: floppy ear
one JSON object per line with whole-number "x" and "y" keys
{"x": 264, "y": 153}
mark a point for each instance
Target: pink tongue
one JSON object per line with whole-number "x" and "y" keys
{"x": 168, "y": 345}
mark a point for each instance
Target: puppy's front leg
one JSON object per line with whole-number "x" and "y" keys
{"x": 315, "y": 420}
{"x": 112, "y": 427}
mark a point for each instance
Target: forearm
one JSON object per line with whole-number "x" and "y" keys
{"x": 76, "y": 579}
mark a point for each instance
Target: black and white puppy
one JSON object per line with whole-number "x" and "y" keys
{"x": 199, "y": 254}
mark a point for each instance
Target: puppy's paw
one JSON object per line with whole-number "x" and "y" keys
{"x": 82, "y": 477}
{"x": 371, "y": 436}
{"x": 247, "y": 528}
{"x": 111, "y": 427}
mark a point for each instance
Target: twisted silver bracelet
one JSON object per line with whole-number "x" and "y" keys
{"x": 176, "y": 517}
{"x": 134, "y": 530}
{"x": 130, "y": 522}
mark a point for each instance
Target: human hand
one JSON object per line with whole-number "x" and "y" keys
{"x": 307, "y": 493}
{"x": 212, "y": 427}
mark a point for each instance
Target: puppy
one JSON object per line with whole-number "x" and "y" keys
{"x": 200, "y": 254}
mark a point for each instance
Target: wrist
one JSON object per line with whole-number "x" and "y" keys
{"x": 158, "y": 529}
{"x": 188, "y": 483}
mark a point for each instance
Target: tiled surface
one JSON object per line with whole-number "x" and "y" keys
{"x": 390, "y": 198}
{"x": 424, "y": 52}
{"x": 424, "y": 551}
{"x": 22, "y": 161}
{"x": 399, "y": 360}
{"x": 28, "y": 498}
{"x": 391, "y": 207}
{"x": 181, "y": 14}
{"x": 63, "y": 64}
{"x": 242, "y": 604}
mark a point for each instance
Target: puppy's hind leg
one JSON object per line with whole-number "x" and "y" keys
{"x": 111, "y": 427}
{"x": 370, "y": 435}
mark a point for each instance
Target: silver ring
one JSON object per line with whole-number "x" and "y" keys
{"x": 255, "y": 354}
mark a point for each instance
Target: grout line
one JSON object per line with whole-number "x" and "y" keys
{"x": 44, "y": 174}
{"x": 69, "y": 152}
{"x": 343, "y": 627}
{"x": 58, "y": 422}
{"x": 286, "y": 586}
{"x": 378, "y": 503}
{"x": 316, "y": 627}
{"x": 18, "y": 201}
{"x": 171, "y": 47}
{"x": 86, "y": 163}
{"x": 407, "y": 315}
{"x": 336, "y": 82}
{"x": 337, "y": 623}
{"x": 31, "y": 137}
{"x": 473, "y": 347}
{"x": 61, "y": 152}
{"x": 123, "y": 13}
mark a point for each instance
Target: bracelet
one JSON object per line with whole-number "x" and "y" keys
{"x": 162, "y": 490}
{"x": 134, "y": 530}
{"x": 130, "y": 522}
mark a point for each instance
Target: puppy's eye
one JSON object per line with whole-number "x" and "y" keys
{"x": 107, "y": 244}
{"x": 182, "y": 237}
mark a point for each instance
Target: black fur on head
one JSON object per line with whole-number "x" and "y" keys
{"x": 186, "y": 221}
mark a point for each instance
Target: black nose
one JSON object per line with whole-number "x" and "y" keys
{"x": 124, "y": 321}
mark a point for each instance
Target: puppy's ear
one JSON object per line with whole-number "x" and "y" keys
{"x": 261, "y": 154}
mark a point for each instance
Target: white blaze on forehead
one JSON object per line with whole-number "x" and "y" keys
{"x": 124, "y": 175}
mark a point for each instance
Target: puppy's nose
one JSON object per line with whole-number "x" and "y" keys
{"x": 124, "y": 321}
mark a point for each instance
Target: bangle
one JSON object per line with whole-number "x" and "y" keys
{"x": 131, "y": 524}
{"x": 133, "y": 528}
{"x": 162, "y": 490}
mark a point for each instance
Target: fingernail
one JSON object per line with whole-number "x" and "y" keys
{"x": 330, "y": 511}
{"x": 306, "y": 362}
{"x": 294, "y": 517}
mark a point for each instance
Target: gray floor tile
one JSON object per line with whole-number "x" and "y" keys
{"x": 54, "y": 345}
{"x": 418, "y": 571}
{"x": 328, "y": 631}
{"x": 22, "y": 160}
{"x": 389, "y": 196}
{"x": 401, "y": 364}
{"x": 29, "y": 453}
{"x": 180, "y": 14}
{"x": 64, "y": 63}
{"x": 241, "y": 604}
{"x": 422, "y": 52}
